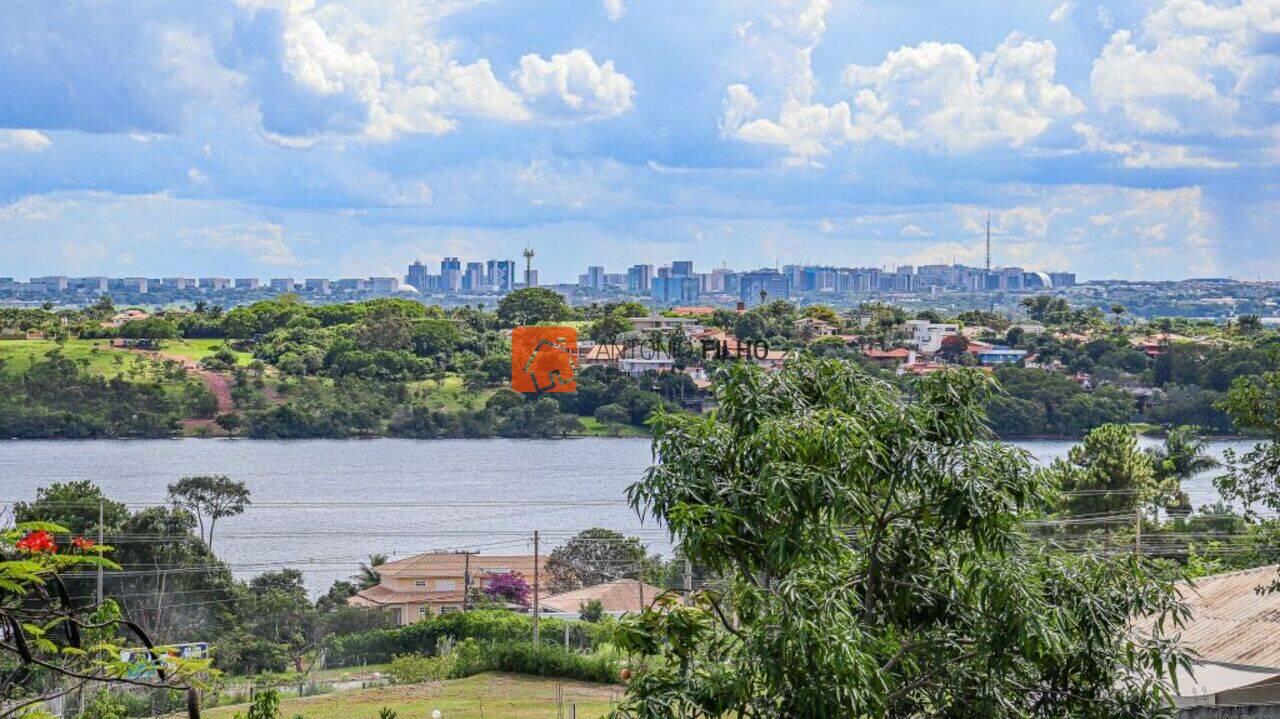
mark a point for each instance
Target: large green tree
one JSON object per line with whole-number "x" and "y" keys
{"x": 596, "y": 556}
{"x": 876, "y": 564}
{"x": 1107, "y": 473}
{"x": 210, "y": 497}
{"x": 532, "y": 305}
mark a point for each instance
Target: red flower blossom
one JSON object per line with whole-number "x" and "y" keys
{"x": 83, "y": 544}
{"x": 37, "y": 541}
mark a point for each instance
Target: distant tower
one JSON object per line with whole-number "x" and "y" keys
{"x": 988, "y": 241}
{"x": 528, "y": 267}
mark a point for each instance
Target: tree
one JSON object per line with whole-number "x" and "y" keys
{"x": 532, "y": 305}
{"x": 368, "y": 576}
{"x": 592, "y": 611}
{"x": 73, "y": 505}
{"x": 1182, "y": 457}
{"x": 1253, "y": 403}
{"x": 211, "y": 496}
{"x": 275, "y": 609}
{"x": 596, "y": 556}
{"x": 612, "y": 416}
{"x": 1106, "y": 473}
{"x": 876, "y": 565}
{"x": 609, "y": 328}
{"x": 509, "y": 587}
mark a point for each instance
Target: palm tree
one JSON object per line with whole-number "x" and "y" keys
{"x": 368, "y": 576}
{"x": 1182, "y": 457}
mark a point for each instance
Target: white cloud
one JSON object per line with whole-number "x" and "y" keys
{"x": 384, "y": 73}
{"x": 1062, "y": 12}
{"x": 24, "y": 140}
{"x": 1196, "y": 68}
{"x": 1148, "y": 155}
{"x": 935, "y": 95}
{"x": 915, "y": 231}
{"x": 614, "y": 9}
{"x": 259, "y": 241}
{"x": 945, "y": 96}
{"x": 574, "y": 84}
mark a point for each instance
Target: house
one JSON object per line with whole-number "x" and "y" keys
{"x": 425, "y": 585}
{"x": 662, "y": 324}
{"x": 814, "y": 327}
{"x": 693, "y": 311}
{"x": 1232, "y": 632}
{"x": 129, "y": 315}
{"x": 889, "y": 358}
{"x": 927, "y": 336}
{"x": 624, "y": 596}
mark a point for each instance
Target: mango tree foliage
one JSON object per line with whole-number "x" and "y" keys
{"x": 876, "y": 565}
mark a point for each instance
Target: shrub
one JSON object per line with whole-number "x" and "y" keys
{"x": 416, "y": 669}
{"x": 549, "y": 661}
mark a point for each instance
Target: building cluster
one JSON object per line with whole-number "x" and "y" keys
{"x": 678, "y": 283}
{"x": 96, "y": 285}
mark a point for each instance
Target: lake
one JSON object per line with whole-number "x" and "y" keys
{"x": 322, "y": 506}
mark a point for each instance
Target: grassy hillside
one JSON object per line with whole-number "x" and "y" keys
{"x": 510, "y": 696}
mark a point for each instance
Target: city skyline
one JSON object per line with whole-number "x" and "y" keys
{"x": 339, "y": 137}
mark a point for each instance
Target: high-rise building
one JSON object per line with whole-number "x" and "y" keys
{"x": 383, "y": 285}
{"x": 639, "y": 277}
{"x": 682, "y": 268}
{"x": 774, "y": 284}
{"x": 675, "y": 290}
{"x": 318, "y": 285}
{"x": 215, "y": 284}
{"x": 594, "y": 278}
{"x": 417, "y": 277}
{"x": 450, "y": 274}
{"x": 246, "y": 283}
{"x": 178, "y": 283}
{"x": 93, "y": 285}
{"x": 502, "y": 275}
{"x": 1063, "y": 279}
{"x": 282, "y": 284}
{"x": 473, "y": 279}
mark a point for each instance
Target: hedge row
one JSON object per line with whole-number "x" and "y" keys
{"x": 485, "y": 626}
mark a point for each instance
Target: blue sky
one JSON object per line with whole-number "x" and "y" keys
{"x": 1131, "y": 139}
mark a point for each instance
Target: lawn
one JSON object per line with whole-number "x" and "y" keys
{"x": 595, "y": 429}
{"x": 21, "y": 354}
{"x": 450, "y": 395}
{"x": 197, "y": 350}
{"x": 484, "y": 696}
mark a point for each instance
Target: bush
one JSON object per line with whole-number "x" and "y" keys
{"x": 416, "y": 669}
{"x": 485, "y": 626}
{"x": 549, "y": 661}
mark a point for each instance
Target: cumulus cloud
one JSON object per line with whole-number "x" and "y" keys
{"x": 934, "y": 95}
{"x": 574, "y": 84}
{"x": 1199, "y": 70}
{"x": 24, "y": 140}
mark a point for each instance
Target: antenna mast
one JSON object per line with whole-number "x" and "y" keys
{"x": 988, "y": 241}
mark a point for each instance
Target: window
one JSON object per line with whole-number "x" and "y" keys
{"x": 448, "y": 610}
{"x": 445, "y": 585}
{"x": 424, "y": 610}
{"x": 420, "y": 583}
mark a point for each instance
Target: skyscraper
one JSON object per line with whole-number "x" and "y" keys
{"x": 473, "y": 279}
{"x": 502, "y": 275}
{"x": 417, "y": 277}
{"x": 682, "y": 268}
{"x": 639, "y": 277}
{"x": 450, "y": 274}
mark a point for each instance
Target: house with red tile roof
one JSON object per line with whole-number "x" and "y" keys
{"x": 425, "y": 585}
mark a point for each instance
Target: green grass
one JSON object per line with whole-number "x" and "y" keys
{"x": 450, "y": 395}
{"x": 595, "y": 429}
{"x": 197, "y": 350}
{"x": 508, "y": 696}
{"x": 21, "y": 354}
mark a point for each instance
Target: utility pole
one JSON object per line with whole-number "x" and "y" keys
{"x": 100, "y": 540}
{"x": 536, "y": 582}
{"x": 688, "y": 579}
{"x": 466, "y": 579}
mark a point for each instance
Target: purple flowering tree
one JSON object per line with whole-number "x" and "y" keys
{"x": 510, "y": 587}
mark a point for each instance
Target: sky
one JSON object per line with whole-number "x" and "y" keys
{"x": 304, "y": 138}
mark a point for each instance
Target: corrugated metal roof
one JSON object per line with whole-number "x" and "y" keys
{"x": 1232, "y": 623}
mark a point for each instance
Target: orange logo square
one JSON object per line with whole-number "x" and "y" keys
{"x": 543, "y": 359}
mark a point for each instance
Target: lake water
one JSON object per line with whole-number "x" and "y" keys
{"x": 323, "y": 506}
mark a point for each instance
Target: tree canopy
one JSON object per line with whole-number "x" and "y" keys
{"x": 876, "y": 564}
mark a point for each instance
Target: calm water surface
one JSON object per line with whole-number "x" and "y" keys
{"x": 323, "y": 506}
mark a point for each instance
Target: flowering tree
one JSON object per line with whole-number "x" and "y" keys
{"x": 58, "y": 645}
{"x": 509, "y": 587}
